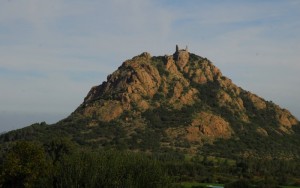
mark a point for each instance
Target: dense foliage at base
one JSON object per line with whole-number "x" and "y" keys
{"x": 60, "y": 163}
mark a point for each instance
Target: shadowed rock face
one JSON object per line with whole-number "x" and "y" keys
{"x": 181, "y": 58}
{"x": 208, "y": 103}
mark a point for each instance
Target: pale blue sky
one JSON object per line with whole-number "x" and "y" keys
{"x": 53, "y": 51}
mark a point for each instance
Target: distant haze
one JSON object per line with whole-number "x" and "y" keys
{"x": 12, "y": 121}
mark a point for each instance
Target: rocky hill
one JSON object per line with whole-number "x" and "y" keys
{"x": 178, "y": 102}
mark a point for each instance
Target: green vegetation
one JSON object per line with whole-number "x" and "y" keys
{"x": 59, "y": 164}
{"x": 164, "y": 117}
{"x": 62, "y": 163}
{"x": 24, "y": 165}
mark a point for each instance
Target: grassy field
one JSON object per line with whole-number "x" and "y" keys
{"x": 190, "y": 184}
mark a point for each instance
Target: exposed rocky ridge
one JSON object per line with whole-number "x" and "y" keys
{"x": 174, "y": 103}
{"x": 145, "y": 91}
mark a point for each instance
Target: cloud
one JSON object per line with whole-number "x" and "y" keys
{"x": 67, "y": 41}
{"x": 83, "y": 28}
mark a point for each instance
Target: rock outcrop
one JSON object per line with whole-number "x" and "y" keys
{"x": 181, "y": 57}
{"x": 208, "y": 106}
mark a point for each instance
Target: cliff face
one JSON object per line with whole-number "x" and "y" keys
{"x": 183, "y": 98}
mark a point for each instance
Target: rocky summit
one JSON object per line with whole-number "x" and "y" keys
{"x": 180, "y": 103}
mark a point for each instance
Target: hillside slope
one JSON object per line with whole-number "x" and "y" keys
{"x": 180, "y": 103}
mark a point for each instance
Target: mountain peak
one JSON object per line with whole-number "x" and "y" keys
{"x": 184, "y": 95}
{"x": 179, "y": 102}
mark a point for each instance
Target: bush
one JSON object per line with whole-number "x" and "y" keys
{"x": 25, "y": 165}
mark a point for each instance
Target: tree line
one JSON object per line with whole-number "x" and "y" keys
{"x": 61, "y": 163}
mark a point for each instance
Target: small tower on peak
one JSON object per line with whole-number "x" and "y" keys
{"x": 181, "y": 57}
{"x": 177, "y": 49}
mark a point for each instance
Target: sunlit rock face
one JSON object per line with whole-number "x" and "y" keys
{"x": 146, "y": 91}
